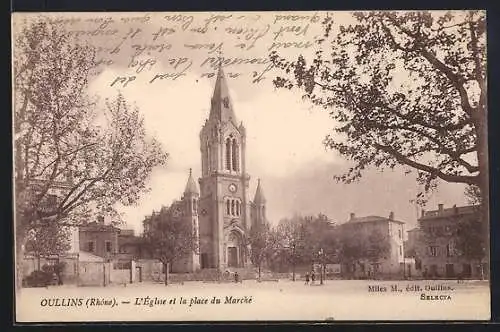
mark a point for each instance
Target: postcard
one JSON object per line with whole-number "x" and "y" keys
{"x": 250, "y": 166}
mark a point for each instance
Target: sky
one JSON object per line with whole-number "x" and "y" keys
{"x": 284, "y": 133}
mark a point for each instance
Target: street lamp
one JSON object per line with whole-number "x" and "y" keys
{"x": 293, "y": 261}
{"x": 320, "y": 253}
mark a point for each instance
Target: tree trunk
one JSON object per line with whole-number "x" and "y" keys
{"x": 19, "y": 261}
{"x": 259, "y": 270}
{"x": 165, "y": 267}
{"x": 483, "y": 162}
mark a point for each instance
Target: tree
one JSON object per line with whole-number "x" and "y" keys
{"x": 301, "y": 238}
{"x": 291, "y": 234}
{"x": 170, "y": 238}
{"x": 468, "y": 239}
{"x": 473, "y": 195}
{"x": 263, "y": 243}
{"x": 61, "y": 137}
{"x": 357, "y": 247}
{"x": 378, "y": 247}
{"x": 352, "y": 249}
{"x": 405, "y": 88}
{"x": 47, "y": 240}
{"x": 321, "y": 235}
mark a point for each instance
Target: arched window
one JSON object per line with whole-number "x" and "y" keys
{"x": 237, "y": 208}
{"x": 235, "y": 156}
{"x": 228, "y": 154}
{"x": 195, "y": 208}
{"x": 232, "y": 207}
{"x": 228, "y": 207}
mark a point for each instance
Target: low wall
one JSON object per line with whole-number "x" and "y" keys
{"x": 94, "y": 274}
{"x": 148, "y": 270}
{"x": 69, "y": 273}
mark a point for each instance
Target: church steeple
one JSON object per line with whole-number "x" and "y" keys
{"x": 259, "y": 198}
{"x": 222, "y": 107}
{"x": 191, "y": 187}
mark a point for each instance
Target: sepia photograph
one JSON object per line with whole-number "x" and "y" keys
{"x": 250, "y": 166}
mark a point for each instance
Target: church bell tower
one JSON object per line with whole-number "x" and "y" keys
{"x": 224, "y": 210}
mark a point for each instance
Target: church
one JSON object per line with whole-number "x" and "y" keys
{"x": 220, "y": 209}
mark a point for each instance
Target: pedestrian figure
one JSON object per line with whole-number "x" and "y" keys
{"x": 313, "y": 277}
{"x": 307, "y": 278}
{"x": 236, "y": 277}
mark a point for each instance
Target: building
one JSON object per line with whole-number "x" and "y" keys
{"x": 131, "y": 246}
{"x": 369, "y": 232}
{"x": 99, "y": 239}
{"x": 226, "y": 213}
{"x": 56, "y": 192}
{"x": 219, "y": 210}
{"x": 410, "y": 245}
{"x": 437, "y": 248}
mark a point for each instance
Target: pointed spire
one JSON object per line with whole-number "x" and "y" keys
{"x": 191, "y": 187}
{"x": 222, "y": 108}
{"x": 259, "y": 194}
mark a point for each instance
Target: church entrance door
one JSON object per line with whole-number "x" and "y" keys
{"x": 232, "y": 256}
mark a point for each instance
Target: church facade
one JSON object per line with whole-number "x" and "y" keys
{"x": 226, "y": 212}
{"x": 218, "y": 207}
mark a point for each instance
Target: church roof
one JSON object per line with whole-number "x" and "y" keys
{"x": 191, "y": 187}
{"x": 222, "y": 107}
{"x": 259, "y": 194}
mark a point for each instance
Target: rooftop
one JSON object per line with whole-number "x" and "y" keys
{"x": 98, "y": 227}
{"x": 441, "y": 212}
{"x": 372, "y": 219}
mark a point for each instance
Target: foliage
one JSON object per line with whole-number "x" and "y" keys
{"x": 464, "y": 233}
{"x": 356, "y": 247}
{"x": 292, "y": 235}
{"x": 73, "y": 159}
{"x": 57, "y": 268}
{"x": 264, "y": 243}
{"x": 301, "y": 238}
{"x": 170, "y": 237}
{"x": 378, "y": 246}
{"x": 352, "y": 247}
{"x": 473, "y": 195}
{"x": 39, "y": 279}
{"x": 321, "y": 235}
{"x": 101, "y": 156}
{"x": 469, "y": 240}
{"x": 405, "y": 88}
{"x": 48, "y": 239}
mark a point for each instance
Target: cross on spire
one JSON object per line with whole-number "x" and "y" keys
{"x": 220, "y": 58}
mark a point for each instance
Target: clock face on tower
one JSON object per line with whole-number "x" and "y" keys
{"x": 232, "y": 188}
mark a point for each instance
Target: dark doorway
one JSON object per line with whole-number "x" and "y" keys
{"x": 434, "y": 271}
{"x": 138, "y": 273}
{"x": 466, "y": 271}
{"x": 232, "y": 257}
{"x": 204, "y": 260}
{"x": 450, "y": 271}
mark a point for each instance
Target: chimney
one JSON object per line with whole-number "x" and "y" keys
{"x": 391, "y": 215}
{"x": 440, "y": 208}
{"x": 352, "y": 216}
{"x": 423, "y": 213}
{"x": 100, "y": 220}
